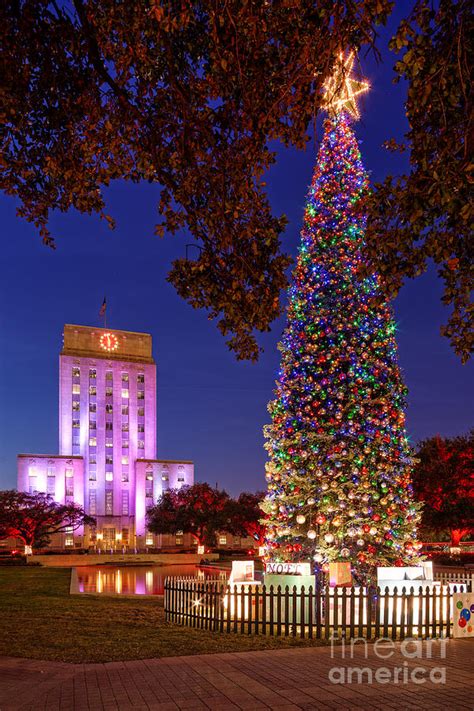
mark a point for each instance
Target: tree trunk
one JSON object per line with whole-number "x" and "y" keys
{"x": 456, "y": 535}
{"x": 197, "y": 537}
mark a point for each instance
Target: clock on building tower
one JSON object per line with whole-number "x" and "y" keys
{"x": 109, "y": 342}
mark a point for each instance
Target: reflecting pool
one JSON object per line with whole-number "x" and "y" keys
{"x": 137, "y": 580}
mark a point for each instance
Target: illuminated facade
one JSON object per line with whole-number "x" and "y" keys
{"x": 107, "y": 439}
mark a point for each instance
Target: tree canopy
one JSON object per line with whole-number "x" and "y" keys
{"x": 34, "y": 518}
{"x": 247, "y": 516}
{"x": 198, "y": 509}
{"x": 427, "y": 214}
{"x": 189, "y": 96}
{"x": 204, "y": 511}
{"x": 444, "y": 480}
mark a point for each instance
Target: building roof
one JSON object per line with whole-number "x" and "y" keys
{"x": 166, "y": 461}
{"x": 106, "y": 343}
{"x": 52, "y": 456}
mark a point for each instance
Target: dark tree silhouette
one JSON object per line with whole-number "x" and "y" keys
{"x": 190, "y": 96}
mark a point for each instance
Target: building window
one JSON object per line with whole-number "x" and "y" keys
{"x": 92, "y": 390}
{"x": 141, "y": 412}
{"x": 124, "y": 377}
{"x": 124, "y": 476}
{"x": 76, "y": 372}
{"x": 75, "y": 405}
{"x": 124, "y": 503}
{"x": 109, "y": 375}
{"x": 32, "y": 484}
{"x": 109, "y": 459}
{"x": 125, "y": 536}
{"x": 181, "y": 479}
{"x": 149, "y": 487}
{"x": 109, "y": 476}
{"x": 92, "y": 458}
{"x": 141, "y": 395}
{"x": 125, "y": 444}
{"x": 92, "y": 475}
{"x": 92, "y": 441}
{"x": 92, "y": 407}
{"x": 141, "y": 444}
{"x": 179, "y": 541}
{"x": 69, "y": 487}
{"x": 109, "y": 503}
{"x": 92, "y": 502}
{"x": 92, "y": 425}
{"x": 92, "y": 374}
{"x": 164, "y": 476}
{"x": 222, "y": 540}
{"x": 109, "y": 535}
{"x": 141, "y": 428}
{"x": 125, "y": 393}
{"x": 109, "y": 408}
{"x": 109, "y": 425}
{"x": 109, "y": 442}
{"x": 124, "y": 426}
{"x": 51, "y": 484}
{"x": 124, "y": 409}
{"x": 149, "y": 539}
{"x": 140, "y": 378}
{"x": 124, "y": 460}
{"x": 109, "y": 392}
{"x": 76, "y": 423}
{"x": 76, "y": 389}
{"x": 69, "y": 539}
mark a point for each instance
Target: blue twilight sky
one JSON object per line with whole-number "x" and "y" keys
{"x": 211, "y": 408}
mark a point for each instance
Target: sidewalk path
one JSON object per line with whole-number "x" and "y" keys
{"x": 280, "y": 679}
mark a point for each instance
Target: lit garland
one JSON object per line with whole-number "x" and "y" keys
{"x": 339, "y": 465}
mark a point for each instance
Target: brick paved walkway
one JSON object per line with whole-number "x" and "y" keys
{"x": 281, "y": 679}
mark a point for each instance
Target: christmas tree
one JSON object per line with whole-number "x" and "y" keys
{"x": 339, "y": 485}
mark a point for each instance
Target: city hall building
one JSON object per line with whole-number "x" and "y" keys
{"x": 107, "y": 461}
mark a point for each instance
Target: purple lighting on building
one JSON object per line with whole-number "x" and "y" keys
{"x": 107, "y": 437}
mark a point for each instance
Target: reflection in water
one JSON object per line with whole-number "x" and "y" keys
{"x": 149, "y": 582}
{"x": 139, "y": 580}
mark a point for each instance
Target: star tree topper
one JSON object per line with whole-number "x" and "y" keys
{"x": 341, "y": 89}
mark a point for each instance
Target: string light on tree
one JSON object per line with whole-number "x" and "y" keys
{"x": 339, "y": 466}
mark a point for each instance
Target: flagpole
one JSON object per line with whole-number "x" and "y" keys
{"x": 103, "y": 311}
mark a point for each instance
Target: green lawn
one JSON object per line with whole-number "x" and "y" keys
{"x": 39, "y": 619}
